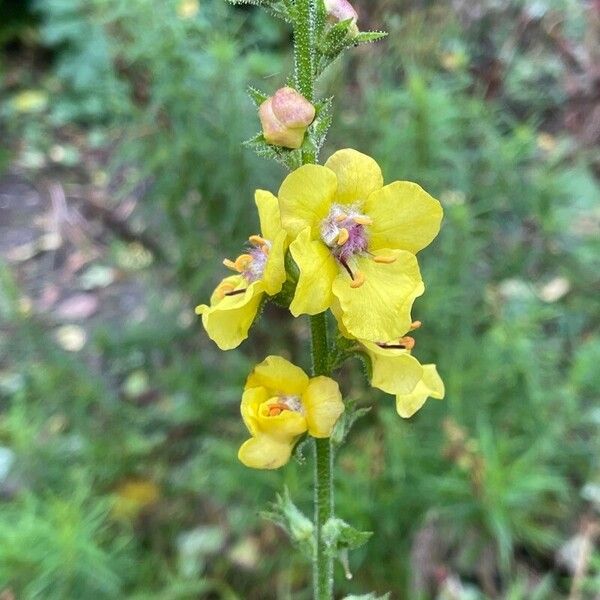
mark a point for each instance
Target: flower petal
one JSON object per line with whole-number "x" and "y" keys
{"x": 279, "y": 376}
{"x": 252, "y": 398}
{"x": 323, "y": 404}
{"x": 379, "y": 309}
{"x": 318, "y": 270}
{"x": 228, "y": 319}
{"x": 430, "y": 385}
{"x": 305, "y": 197}
{"x": 287, "y": 425}
{"x": 264, "y": 452}
{"x": 395, "y": 371}
{"x": 358, "y": 175}
{"x": 268, "y": 213}
{"x": 404, "y": 216}
{"x": 274, "y": 274}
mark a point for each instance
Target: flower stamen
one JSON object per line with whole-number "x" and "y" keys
{"x": 362, "y": 220}
{"x": 384, "y": 260}
{"x": 405, "y": 343}
{"x": 358, "y": 280}
{"x": 235, "y": 292}
{"x": 343, "y": 236}
{"x": 256, "y": 240}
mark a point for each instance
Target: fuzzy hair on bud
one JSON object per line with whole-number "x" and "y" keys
{"x": 284, "y": 117}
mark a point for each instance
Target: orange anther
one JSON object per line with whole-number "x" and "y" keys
{"x": 341, "y": 217}
{"x": 230, "y": 265}
{"x": 362, "y": 220}
{"x": 342, "y": 236}
{"x": 408, "y": 342}
{"x": 224, "y": 288}
{"x": 415, "y": 325}
{"x": 265, "y": 249}
{"x": 384, "y": 260}
{"x": 358, "y": 280}
{"x": 242, "y": 261}
{"x": 256, "y": 240}
{"x": 274, "y": 411}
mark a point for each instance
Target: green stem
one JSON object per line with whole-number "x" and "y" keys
{"x": 304, "y": 74}
{"x": 323, "y": 497}
{"x": 304, "y": 57}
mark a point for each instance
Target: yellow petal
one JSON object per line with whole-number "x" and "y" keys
{"x": 305, "y": 197}
{"x": 379, "y": 310}
{"x": 278, "y": 376}
{"x": 323, "y": 404}
{"x": 263, "y": 452}
{"x": 228, "y": 319}
{"x": 358, "y": 175}
{"x": 430, "y": 385}
{"x": 252, "y": 398}
{"x": 284, "y": 426}
{"x": 395, "y": 371}
{"x": 268, "y": 213}
{"x": 318, "y": 270}
{"x": 404, "y": 216}
{"x": 274, "y": 274}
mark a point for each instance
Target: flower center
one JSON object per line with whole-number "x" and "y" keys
{"x": 251, "y": 265}
{"x": 275, "y": 406}
{"x": 343, "y": 230}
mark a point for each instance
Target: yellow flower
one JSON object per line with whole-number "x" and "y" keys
{"x": 395, "y": 371}
{"x": 355, "y": 241}
{"x": 236, "y": 300}
{"x": 280, "y": 403}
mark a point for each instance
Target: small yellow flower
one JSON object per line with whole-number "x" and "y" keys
{"x": 261, "y": 270}
{"x": 280, "y": 403}
{"x": 355, "y": 241}
{"x": 395, "y": 371}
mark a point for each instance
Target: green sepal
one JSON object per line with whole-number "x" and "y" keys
{"x": 336, "y": 39}
{"x": 319, "y": 128}
{"x": 257, "y": 96}
{"x": 293, "y": 521}
{"x": 291, "y": 159}
{"x": 281, "y": 9}
{"x": 346, "y": 421}
{"x": 368, "y": 37}
{"x": 339, "y": 535}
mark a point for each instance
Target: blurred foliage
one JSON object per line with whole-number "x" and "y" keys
{"x": 118, "y": 470}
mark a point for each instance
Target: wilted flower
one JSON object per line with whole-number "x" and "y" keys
{"x": 354, "y": 243}
{"x": 285, "y": 116}
{"x": 236, "y": 300}
{"x": 279, "y": 404}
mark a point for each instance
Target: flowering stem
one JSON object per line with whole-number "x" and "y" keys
{"x": 323, "y": 496}
{"x": 304, "y": 74}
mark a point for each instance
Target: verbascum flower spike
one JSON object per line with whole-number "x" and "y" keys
{"x": 285, "y": 117}
{"x": 258, "y": 271}
{"x": 342, "y": 10}
{"x": 354, "y": 241}
{"x": 281, "y": 403}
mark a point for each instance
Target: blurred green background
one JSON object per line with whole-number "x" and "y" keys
{"x": 123, "y": 184}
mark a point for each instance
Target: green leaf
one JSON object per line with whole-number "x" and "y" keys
{"x": 339, "y": 535}
{"x": 370, "y": 596}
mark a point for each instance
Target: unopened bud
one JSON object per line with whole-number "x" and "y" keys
{"x": 285, "y": 116}
{"x": 342, "y": 10}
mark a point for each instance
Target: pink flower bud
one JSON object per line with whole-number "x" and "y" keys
{"x": 285, "y": 116}
{"x": 342, "y": 10}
